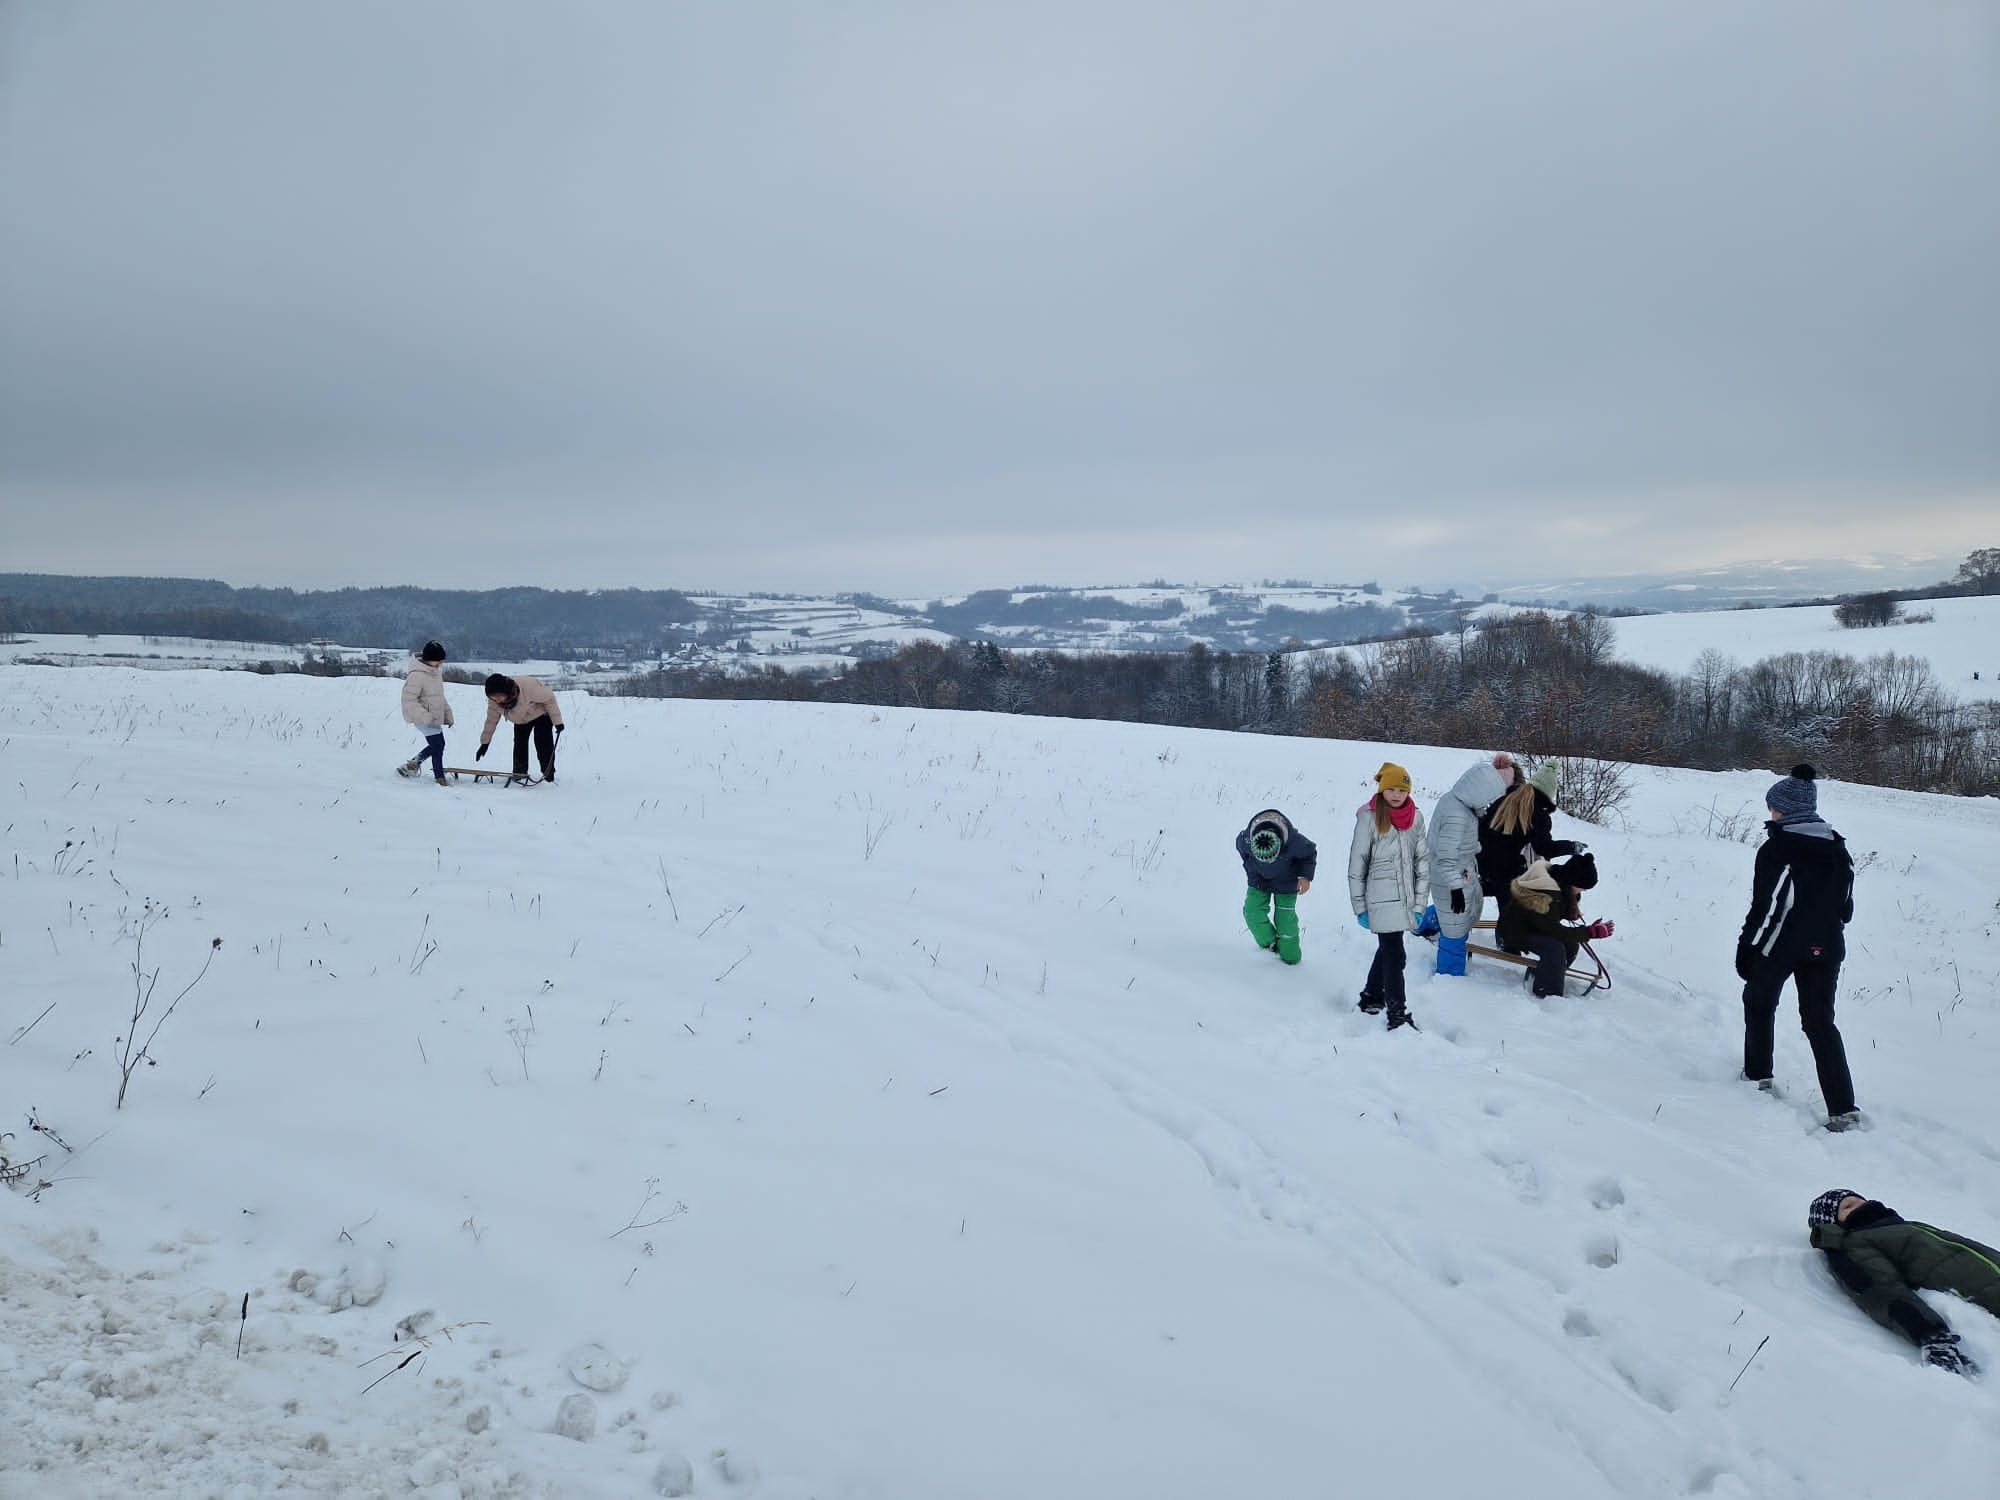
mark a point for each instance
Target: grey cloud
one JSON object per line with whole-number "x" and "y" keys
{"x": 884, "y": 295}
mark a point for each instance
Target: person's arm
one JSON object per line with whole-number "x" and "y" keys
{"x": 1763, "y": 890}
{"x": 1423, "y": 882}
{"x": 492, "y": 721}
{"x": 1871, "y": 1279}
{"x": 413, "y": 698}
{"x": 553, "y": 710}
{"x": 1847, "y": 904}
{"x": 1305, "y": 856}
{"x": 1542, "y": 836}
{"x": 1357, "y": 860}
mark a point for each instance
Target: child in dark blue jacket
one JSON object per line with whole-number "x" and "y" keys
{"x": 1280, "y": 863}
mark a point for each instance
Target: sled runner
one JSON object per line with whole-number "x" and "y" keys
{"x": 477, "y": 775}
{"x": 1595, "y": 977}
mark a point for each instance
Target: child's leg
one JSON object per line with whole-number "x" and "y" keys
{"x": 1286, "y": 920}
{"x": 434, "y": 748}
{"x": 1257, "y": 916}
{"x": 1385, "y": 975}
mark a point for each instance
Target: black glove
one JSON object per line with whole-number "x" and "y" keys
{"x": 559, "y": 730}
{"x": 1745, "y": 956}
{"x": 480, "y": 753}
{"x": 1941, "y": 1350}
{"x": 1458, "y": 902}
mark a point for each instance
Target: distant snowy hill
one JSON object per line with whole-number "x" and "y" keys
{"x": 1775, "y": 581}
{"x": 1962, "y": 638}
{"x": 866, "y": 1104}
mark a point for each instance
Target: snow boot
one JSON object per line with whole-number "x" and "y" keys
{"x": 1370, "y": 1005}
{"x": 1451, "y": 955}
{"x": 1845, "y": 1121}
{"x": 409, "y": 767}
{"x": 1399, "y": 1017}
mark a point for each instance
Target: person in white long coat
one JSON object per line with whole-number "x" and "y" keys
{"x": 1455, "y": 884}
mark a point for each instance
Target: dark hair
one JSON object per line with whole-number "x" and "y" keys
{"x": 506, "y": 687}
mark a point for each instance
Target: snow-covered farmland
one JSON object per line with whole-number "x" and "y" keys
{"x": 844, "y": 1103}
{"x": 1963, "y": 638}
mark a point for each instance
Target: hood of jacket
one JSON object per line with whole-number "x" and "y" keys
{"x": 1871, "y": 1215}
{"x": 1536, "y": 889}
{"x": 1479, "y": 788}
{"x": 1811, "y": 827}
{"x": 1275, "y": 818}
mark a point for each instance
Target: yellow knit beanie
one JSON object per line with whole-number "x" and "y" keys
{"x": 1392, "y": 777}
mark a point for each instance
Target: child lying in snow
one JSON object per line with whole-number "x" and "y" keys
{"x": 1878, "y": 1257}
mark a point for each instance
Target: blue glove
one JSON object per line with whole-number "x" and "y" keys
{"x": 1362, "y": 918}
{"x": 1428, "y": 923}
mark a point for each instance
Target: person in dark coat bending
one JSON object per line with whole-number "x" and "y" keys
{"x": 1280, "y": 863}
{"x": 1801, "y": 901}
{"x": 1879, "y": 1258}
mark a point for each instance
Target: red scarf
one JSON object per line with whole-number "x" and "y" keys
{"x": 1402, "y": 817}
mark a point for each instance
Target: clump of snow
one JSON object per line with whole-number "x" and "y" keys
{"x": 576, "y": 1417}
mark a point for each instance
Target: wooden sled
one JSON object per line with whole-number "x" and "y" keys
{"x": 478, "y": 775}
{"x": 1596, "y": 977}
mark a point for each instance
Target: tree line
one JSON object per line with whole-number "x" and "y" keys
{"x": 507, "y": 622}
{"x": 1533, "y": 682}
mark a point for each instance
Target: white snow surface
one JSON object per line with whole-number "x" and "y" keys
{"x": 1962, "y": 638}
{"x": 850, "y": 1103}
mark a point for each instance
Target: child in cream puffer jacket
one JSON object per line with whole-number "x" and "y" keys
{"x": 427, "y": 709}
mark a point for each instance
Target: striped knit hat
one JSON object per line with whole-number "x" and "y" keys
{"x": 1825, "y": 1208}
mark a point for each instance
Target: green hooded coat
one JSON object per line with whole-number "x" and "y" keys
{"x": 1878, "y": 1257}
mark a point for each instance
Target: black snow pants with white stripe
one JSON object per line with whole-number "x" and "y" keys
{"x": 1816, "y": 983}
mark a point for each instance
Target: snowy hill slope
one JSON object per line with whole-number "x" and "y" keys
{"x": 897, "y": 1102}
{"x": 1963, "y": 638}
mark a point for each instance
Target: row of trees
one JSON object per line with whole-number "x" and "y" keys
{"x": 511, "y": 622}
{"x": 1535, "y": 683}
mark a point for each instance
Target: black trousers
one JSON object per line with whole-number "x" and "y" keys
{"x": 1385, "y": 974}
{"x": 1815, "y": 983}
{"x": 1551, "y": 955}
{"x": 544, "y": 730}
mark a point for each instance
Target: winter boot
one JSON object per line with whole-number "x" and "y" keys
{"x": 1399, "y": 1017}
{"x": 1451, "y": 955}
{"x": 409, "y": 767}
{"x": 1370, "y": 1004}
{"x": 1844, "y": 1121}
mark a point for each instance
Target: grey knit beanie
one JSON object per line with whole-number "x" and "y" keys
{"x": 1796, "y": 794}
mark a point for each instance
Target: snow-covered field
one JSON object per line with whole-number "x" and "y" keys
{"x": 1963, "y": 638}
{"x": 855, "y": 1103}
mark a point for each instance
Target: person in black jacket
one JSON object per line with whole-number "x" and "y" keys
{"x": 1878, "y": 1257}
{"x": 1800, "y": 903}
{"x": 1280, "y": 863}
{"x": 1519, "y": 829}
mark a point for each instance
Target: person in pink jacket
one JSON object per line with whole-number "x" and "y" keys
{"x": 531, "y": 708}
{"x": 426, "y": 707}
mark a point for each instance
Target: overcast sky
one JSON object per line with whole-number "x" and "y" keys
{"x": 918, "y": 297}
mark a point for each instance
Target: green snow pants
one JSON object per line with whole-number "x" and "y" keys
{"x": 1273, "y": 920}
